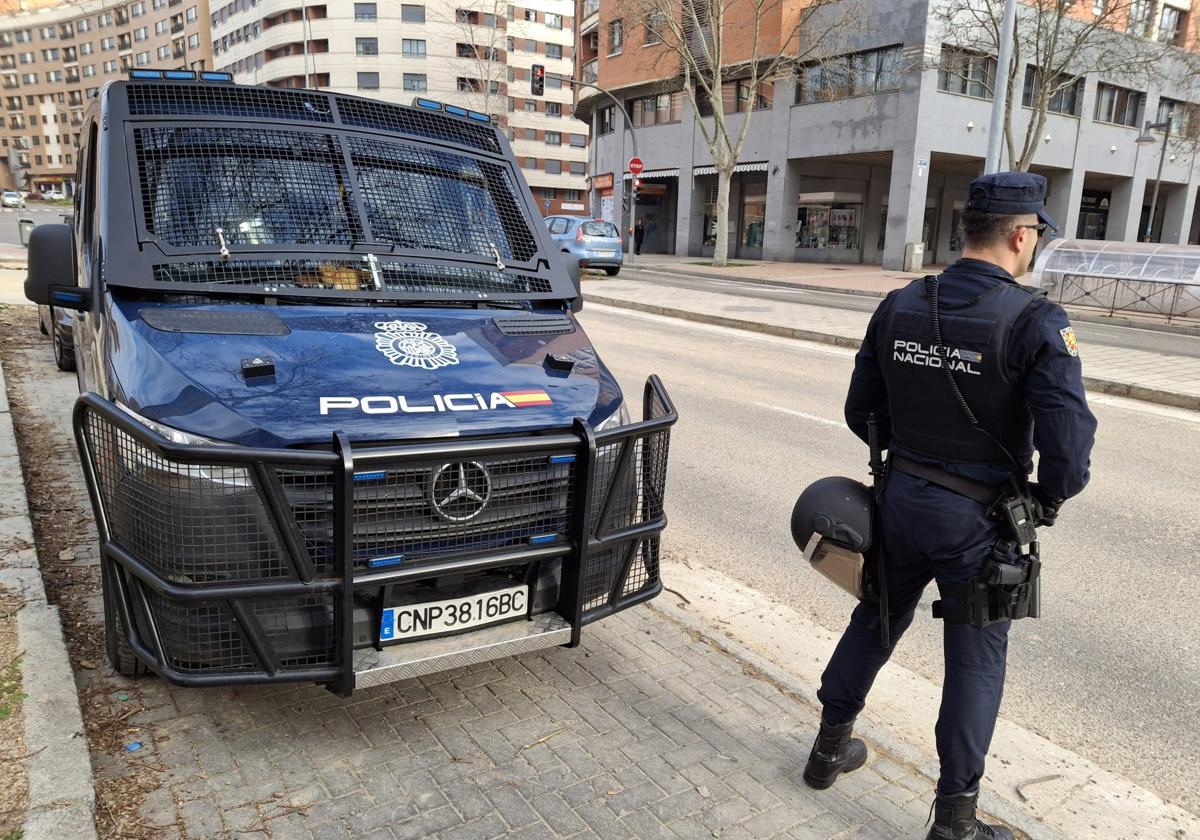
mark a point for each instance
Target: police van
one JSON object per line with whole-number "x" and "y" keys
{"x": 338, "y": 420}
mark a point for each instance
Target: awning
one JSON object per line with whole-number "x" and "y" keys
{"x": 741, "y": 167}
{"x": 656, "y": 173}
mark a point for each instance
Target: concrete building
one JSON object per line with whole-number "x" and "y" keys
{"x": 869, "y": 152}
{"x": 55, "y": 56}
{"x": 474, "y": 53}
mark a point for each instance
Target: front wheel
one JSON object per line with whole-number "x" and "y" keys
{"x": 120, "y": 655}
{"x": 64, "y": 351}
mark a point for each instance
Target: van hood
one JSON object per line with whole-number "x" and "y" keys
{"x": 274, "y": 376}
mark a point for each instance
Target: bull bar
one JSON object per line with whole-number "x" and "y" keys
{"x": 240, "y": 583}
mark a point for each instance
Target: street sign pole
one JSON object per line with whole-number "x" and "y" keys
{"x": 1008, "y": 23}
{"x": 635, "y": 169}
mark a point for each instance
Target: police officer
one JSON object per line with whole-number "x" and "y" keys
{"x": 1014, "y": 360}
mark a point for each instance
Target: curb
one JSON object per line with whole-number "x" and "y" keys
{"x": 1104, "y": 386}
{"x": 1083, "y": 315}
{"x": 59, "y": 769}
{"x": 989, "y": 802}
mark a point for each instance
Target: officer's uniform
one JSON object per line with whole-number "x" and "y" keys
{"x": 1013, "y": 355}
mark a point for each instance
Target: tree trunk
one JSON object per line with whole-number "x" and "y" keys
{"x": 721, "y": 248}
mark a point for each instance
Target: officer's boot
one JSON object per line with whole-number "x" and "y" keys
{"x": 954, "y": 819}
{"x": 833, "y": 752}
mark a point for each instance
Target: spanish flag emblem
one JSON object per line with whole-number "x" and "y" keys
{"x": 527, "y": 399}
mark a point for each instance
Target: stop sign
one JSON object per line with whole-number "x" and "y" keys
{"x": 636, "y": 166}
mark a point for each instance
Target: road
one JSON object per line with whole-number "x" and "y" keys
{"x": 1153, "y": 341}
{"x": 1111, "y": 669}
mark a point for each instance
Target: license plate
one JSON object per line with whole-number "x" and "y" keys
{"x": 599, "y": 253}
{"x": 432, "y": 618}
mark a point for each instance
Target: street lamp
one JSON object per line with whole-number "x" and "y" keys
{"x": 1148, "y": 139}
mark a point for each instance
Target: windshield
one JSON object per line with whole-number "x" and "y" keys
{"x": 602, "y": 229}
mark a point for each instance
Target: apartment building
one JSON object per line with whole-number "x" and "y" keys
{"x": 54, "y": 57}
{"x": 474, "y": 53}
{"x": 861, "y": 155}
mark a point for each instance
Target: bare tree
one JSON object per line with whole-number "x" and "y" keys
{"x": 749, "y": 43}
{"x": 1062, "y": 39}
{"x": 481, "y": 30}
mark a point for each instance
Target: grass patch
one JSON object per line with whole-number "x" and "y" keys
{"x": 10, "y": 689}
{"x": 727, "y": 265}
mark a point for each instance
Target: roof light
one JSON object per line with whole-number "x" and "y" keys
{"x": 180, "y": 75}
{"x": 478, "y": 117}
{"x": 455, "y": 110}
{"x": 427, "y": 103}
{"x": 145, "y": 74}
{"x": 214, "y": 76}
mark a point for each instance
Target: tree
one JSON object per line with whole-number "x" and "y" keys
{"x": 1062, "y": 39}
{"x": 481, "y": 42}
{"x": 744, "y": 43}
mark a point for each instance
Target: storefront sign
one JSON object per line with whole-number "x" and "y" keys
{"x": 603, "y": 182}
{"x": 843, "y": 218}
{"x": 1094, "y": 200}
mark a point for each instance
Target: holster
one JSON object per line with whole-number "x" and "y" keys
{"x": 1007, "y": 593}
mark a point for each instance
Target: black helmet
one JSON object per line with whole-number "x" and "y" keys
{"x": 833, "y": 524}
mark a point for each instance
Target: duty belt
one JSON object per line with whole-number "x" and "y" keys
{"x": 985, "y": 494}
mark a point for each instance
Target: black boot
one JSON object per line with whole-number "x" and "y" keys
{"x": 834, "y": 752}
{"x": 954, "y": 819}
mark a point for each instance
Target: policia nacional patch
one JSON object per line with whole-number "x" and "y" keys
{"x": 1068, "y": 337}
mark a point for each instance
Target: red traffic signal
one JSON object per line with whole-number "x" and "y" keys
{"x": 537, "y": 79}
{"x": 637, "y": 183}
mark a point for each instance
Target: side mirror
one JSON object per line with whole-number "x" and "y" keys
{"x": 51, "y": 265}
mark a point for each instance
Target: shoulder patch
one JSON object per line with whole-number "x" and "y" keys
{"x": 1068, "y": 337}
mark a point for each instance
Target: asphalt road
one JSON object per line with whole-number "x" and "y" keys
{"x": 1110, "y": 671}
{"x": 39, "y": 212}
{"x": 1153, "y": 341}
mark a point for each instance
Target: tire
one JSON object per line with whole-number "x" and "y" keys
{"x": 41, "y": 324}
{"x": 120, "y": 655}
{"x": 613, "y": 272}
{"x": 64, "y": 354}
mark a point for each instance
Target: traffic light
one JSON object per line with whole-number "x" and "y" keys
{"x": 637, "y": 183}
{"x": 537, "y": 80}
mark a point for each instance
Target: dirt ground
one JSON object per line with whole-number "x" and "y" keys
{"x": 107, "y": 701}
{"x": 12, "y": 743}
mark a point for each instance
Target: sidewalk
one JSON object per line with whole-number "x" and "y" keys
{"x": 1154, "y": 377}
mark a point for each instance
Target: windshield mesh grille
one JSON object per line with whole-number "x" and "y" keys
{"x": 352, "y": 276}
{"x": 421, "y": 123}
{"x": 194, "y": 100}
{"x": 245, "y": 186}
{"x": 421, "y": 198}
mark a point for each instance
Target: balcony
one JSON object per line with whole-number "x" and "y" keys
{"x": 11, "y": 85}
{"x": 73, "y": 78}
{"x": 8, "y": 63}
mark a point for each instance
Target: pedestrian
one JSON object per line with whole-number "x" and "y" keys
{"x": 952, "y": 446}
{"x": 639, "y": 235}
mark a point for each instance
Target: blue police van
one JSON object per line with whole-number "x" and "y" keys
{"x": 338, "y": 420}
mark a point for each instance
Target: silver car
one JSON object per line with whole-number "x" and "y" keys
{"x": 13, "y": 199}
{"x": 595, "y": 243}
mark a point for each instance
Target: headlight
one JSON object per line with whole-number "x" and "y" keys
{"x": 620, "y": 417}
{"x": 139, "y": 455}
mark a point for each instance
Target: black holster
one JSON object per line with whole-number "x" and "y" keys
{"x": 1006, "y": 592}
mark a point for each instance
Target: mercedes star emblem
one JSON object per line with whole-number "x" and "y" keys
{"x": 460, "y": 492}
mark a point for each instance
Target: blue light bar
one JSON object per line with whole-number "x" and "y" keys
{"x": 214, "y": 76}
{"x": 370, "y": 476}
{"x": 478, "y": 117}
{"x": 384, "y": 562}
{"x": 455, "y": 110}
{"x": 542, "y": 539}
{"x": 427, "y": 103}
{"x": 180, "y": 75}
{"x": 562, "y": 459}
{"x": 145, "y": 74}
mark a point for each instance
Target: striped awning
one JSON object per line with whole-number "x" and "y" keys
{"x": 656, "y": 173}
{"x": 761, "y": 166}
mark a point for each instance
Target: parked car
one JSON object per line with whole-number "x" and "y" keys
{"x": 53, "y": 195}
{"x": 595, "y": 243}
{"x": 59, "y": 325}
{"x": 339, "y": 422}
{"x": 13, "y": 199}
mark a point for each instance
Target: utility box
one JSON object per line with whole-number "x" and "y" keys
{"x": 25, "y": 228}
{"x": 914, "y": 256}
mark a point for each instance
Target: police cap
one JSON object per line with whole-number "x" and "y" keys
{"x": 1013, "y": 193}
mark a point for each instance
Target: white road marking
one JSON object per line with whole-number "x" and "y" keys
{"x": 1170, "y": 412}
{"x": 731, "y": 332}
{"x": 802, "y": 415}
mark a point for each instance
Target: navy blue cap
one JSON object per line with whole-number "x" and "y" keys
{"x": 1012, "y": 193}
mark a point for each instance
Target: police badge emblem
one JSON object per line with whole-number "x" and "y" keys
{"x": 409, "y": 344}
{"x": 1068, "y": 337}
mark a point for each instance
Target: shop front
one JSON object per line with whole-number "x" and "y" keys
{"x": 606, "y": 207}
{"x": 656, "y": 206}
{"x": 1093, "y": 214}
{"x": 830, "y": 222}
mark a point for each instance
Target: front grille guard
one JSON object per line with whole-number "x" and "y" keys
{"x": 254, "y": 556}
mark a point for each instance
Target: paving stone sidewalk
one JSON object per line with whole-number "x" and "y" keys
{"x": 1157, "y": 377}
{"x": 643, "y": 731}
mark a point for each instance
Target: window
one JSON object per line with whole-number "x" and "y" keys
{"x": 531, "y": 106}
{"x": 655, "y": 110}
{"x": 89, "y": 70}
{"x": 968, "y": 73}
{"x": 554, "y": 51}
{"x": 468, "y": 85}
{"x": 50, "y": 55}
{"x": 553, "y": 109}
{"x": 465, "y": 51}
{"x": 49, "y": 33}
{"x": 529, "y": 163}
{"x": 554, "y": 21}
{"x": 163, "y": 52}
{"x": 553, "y": 167}
{"x": 736, "y": 96}
{"x": 194, "y": 41}
{"x": 654, "y": 25}
{"x": 553, "y": 138}
{"x": 137, "y": 9}
{"x": 191, "y": 14}
{"x": 604, "y": 120}
{"x": 28, "y": 57}
{"x": 141, "y": 34}
{"x": 365, "y": 11}
{"x": 548, "y": 193}
{"x": 30, "y": 78}
{"x": 85, "y": 48}
{"x": 1139, "y": 17}
{"x": 368, "y": 81}
{"x": 579, "y": 141}
{"x": 1174, "y": 112}
{"x": 1168, "y": 25}
{"x": 412, "y": 13}
{"x": 530, "y": 134}
{"x": 616, "y": 37}
{"x": 530, "y": 45}
{"x": 512, "y": 104}
{"x": 108, "y": 43}
{"x": 111, "y": 66}
{"x": 858, "y": 74}
{"x": 84, "y": 25}
{"x": 1117, "y": 104}
{"x": 570, "y": 195}
{"x": 366, "y": 46}
{"x": 104, "y": 19}
{"x": 24, "y": 36}
{"x": 512, "y": 13}
{"x": 161, "y": 27}
{"x": 577, "y": 167}
{"x": 143, "y": 58}
{"x": 415, "y": 82}
{"x": 413, "y": 48}
{"x": 531, "y": 15}
{"x": 1066, "y": 92}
